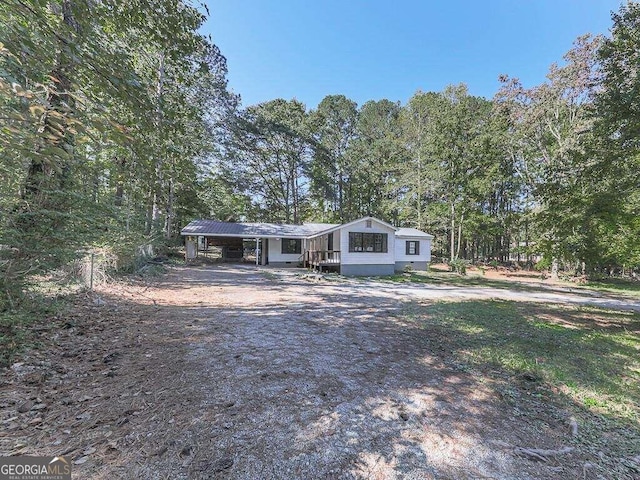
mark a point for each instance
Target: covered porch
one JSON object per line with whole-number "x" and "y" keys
{"x": 321, "y": 253}
{"x": 264, "y": 243}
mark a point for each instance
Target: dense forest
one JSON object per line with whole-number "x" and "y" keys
{"x": 117, "y": 128}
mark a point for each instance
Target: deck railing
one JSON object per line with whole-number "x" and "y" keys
{"x": 321, "y": 258}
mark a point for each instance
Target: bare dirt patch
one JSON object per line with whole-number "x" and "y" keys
{"x": 221, "y": 372}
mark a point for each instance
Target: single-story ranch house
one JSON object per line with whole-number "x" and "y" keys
{"x": 367, "y": 246}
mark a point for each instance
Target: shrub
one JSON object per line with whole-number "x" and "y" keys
{"x": 458, "y": 265}
{"x": 543, "y": 264}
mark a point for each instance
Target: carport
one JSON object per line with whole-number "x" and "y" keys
{"x": 275, "y": 244}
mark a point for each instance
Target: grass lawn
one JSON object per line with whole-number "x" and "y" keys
{"x": 615, "y": 285}
{"x": 438, "y": 277}
{"x": 584, "y": 358}
{"x": 628, "y": 288}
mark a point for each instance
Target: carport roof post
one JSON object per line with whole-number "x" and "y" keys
{"x": 257, "y": 251}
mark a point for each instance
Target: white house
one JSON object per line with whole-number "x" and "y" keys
{"x": 367, "y": 246}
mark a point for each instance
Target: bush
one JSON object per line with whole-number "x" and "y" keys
{"x": 543, "y": 264}
{"x": 458, "y": 265}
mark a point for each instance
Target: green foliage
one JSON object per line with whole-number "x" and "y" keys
{"x": 109, "y": 110}
{"x": 535, "y": 171}
{"x": 617, "y": 150}
{"x": 552, "y": 128}
{"x": 458, "y": 265}
{"x": 333, "y": 168}
{"x": 271, "y": 151}
{"x": 117, "y": 128}
{"x": 543, "y": 264}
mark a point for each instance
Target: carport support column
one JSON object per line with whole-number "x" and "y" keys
{"x": 257, "y": 251}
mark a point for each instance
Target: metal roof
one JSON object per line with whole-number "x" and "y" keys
{"x": 412, "y": 232}
{"x": 252, "y": 230}
{"x": 214, "y": 228}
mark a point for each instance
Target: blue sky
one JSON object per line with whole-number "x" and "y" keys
{"x": 369, "y": 50}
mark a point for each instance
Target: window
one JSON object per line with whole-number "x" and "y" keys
{"x": 291, "y": 245}
{"x": 368, "y": 242}
{"x": 413, "y": 247}
{"x": 367, "y": 223}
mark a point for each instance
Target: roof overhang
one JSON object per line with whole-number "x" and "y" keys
{"x": 345, "y": 225}
{"x": 213, "y": 228}
{"x": 426, "y": 235}
{"x": 232, "y": 235}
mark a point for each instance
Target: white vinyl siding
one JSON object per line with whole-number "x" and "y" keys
{"x": 367, "y": 258}
{"x": 276, "y": 255}
{"x": 424, "y": 249}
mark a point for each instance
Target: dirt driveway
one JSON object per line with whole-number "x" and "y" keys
{"x": 523, "y": 293}
{"x": 225, "y": 372}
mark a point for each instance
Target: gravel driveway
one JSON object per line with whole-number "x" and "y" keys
{"x": 537, "y": 294}
{"x": 287, "y": 377}
{"x": 228, "y": 372}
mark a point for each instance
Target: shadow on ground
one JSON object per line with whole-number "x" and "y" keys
{"x": 223, "y": 373}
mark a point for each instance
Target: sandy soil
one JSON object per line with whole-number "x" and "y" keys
{"x": 225, "y": 372}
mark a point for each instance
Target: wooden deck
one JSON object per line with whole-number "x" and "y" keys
{"x": 319, "y": 259}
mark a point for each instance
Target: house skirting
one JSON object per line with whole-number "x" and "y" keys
{"x": 367, "y": 270}
{"x": 284, "y": 264}
{"x": 400, "y": 266}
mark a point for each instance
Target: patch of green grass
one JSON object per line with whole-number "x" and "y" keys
{"x": 435, "y": 277}
{"x": 550, "y": 360}
{"x": 615, "y": 285}
{"x": 590, "y": 355}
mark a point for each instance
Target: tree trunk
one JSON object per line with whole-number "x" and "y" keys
{"x": 155, "y": 206}
{"x": 157, "y": 190}
{"x": 459, "y": 235}
{"x": 120, "y": 164}
{"x": 419, "y": 172}
{"x": 526, "y": 242}
{"x": 148, "y": 224}
{"x": 554, "y": 268}
{"x": 41, "y": 171}
{"x": 168, "y": 228}
{"x": 453, "y": 231}
{"x": 340, "y": 196}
